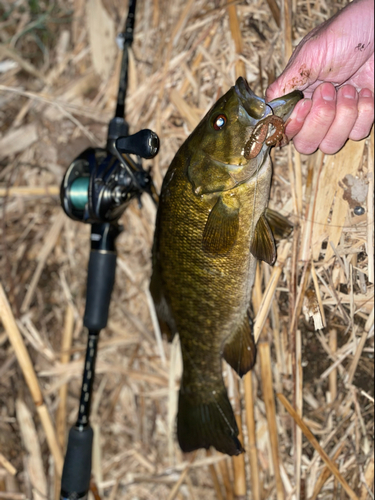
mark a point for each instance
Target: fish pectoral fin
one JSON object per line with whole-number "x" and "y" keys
{"x": 220, "y": 232}
{"x": 263, "y": 245}
{"x": 163, "y": 312}
{"x": 239, "y": 349}
{"x": 209, "y": 423}
{"x": 281, "y": 227}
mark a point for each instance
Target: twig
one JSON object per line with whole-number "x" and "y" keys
{"x": 30, "y": 191}
{"x": 66, "y": 344}
{"x": 313, "y": 441}
{"x": 357, "y": 355}
{"x": 49, "y": 244}
{"x": 325, "y": 474}
{"x": 370, "y": 207}
{"x": 268, "y": 397}
{"x": 26, "y": 365}
{"x": 275, "y": 9}
{"x": 181, "y": 479}
{"x": 7, "y": 465}
{"x": 8, "y": 495}
{"x": 299, "y": 406}
{"x": 215, "y": 479}
{"x": 287, "y": 4}
{"x": 25, "y": 65}
{"x": 318, "y": 294}
{"x": 270, "y": 290}
{"x": 333, "y": 375}
{"x": 251, "y": 431}
{"x": 32, "y": 447}
{"x": 368, "y": 480}
{"x": 237, "y": 37}
{"x": 239, "y": 474}
{"x": 223, "y": 466}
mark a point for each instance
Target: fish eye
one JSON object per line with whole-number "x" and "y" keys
{"x": 219, "y": 122}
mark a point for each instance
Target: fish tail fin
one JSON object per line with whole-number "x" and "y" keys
{"x": 209, "y": 423}
{"x": 239, "y": 349}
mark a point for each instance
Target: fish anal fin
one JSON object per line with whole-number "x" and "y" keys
{"x": 281, "y": 227}
{"x": 239, "y": 349}
{"x": 220, "y": 232}
{"x": 263, "y": 245}
{"x": 209, "y": 423}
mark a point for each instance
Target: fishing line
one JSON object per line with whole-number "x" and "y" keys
{"x": 328, "y": 224}
{"x": 252, "y": 226}
{"x": 240, "y": 351}
{"x": 252, "y": 235}
{"x": 268, "y": 106}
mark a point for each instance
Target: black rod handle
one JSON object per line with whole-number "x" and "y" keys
{"x": 100, "y": 275}
{"x": 76, "y": 474}
{"x": 75, "y": 481}
{"x": 100, "y": 281}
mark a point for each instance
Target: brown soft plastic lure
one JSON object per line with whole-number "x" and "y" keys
{"x": 259, "y": 137}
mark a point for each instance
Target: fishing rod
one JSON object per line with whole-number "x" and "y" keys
{"x": 96, "y": 189}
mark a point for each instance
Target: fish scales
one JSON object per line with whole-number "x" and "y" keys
{"x": 211, "y": 201}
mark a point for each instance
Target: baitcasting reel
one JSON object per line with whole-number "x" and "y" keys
{"x": 99, "y": 183}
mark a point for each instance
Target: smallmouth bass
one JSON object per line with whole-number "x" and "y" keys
{"x": 211, "y": 226}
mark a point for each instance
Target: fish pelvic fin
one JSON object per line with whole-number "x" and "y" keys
{"x": 211, "y": 423}
{"x": 263, "y": 245}
{"x": 239, "y": 349}
{"x": 281, "y": 226}
{"x": 270, "y": 226}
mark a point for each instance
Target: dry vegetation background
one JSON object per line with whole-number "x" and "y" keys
{"x": 59, "y": 69}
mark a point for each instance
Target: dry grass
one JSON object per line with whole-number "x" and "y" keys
{"x": 58, "y": 81}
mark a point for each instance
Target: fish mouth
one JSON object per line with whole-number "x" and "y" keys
{"x": 255, "y": 106}
{"x": 284, "y": 105}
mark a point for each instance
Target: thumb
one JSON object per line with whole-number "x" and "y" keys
{"x": 331, "y": 52}
{"x": 275, "y": 89}
{"x": 299, "y": 74}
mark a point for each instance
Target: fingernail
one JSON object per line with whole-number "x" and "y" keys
{"x": 366, "y": 93}
{"x": 349, "y": 92}
{"x": 328, "y": 92}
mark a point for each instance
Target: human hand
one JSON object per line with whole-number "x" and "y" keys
{"x": 334, "y": 67}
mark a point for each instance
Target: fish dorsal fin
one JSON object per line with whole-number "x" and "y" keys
{"x": 239, "y": 349}
{"x": 281, "y": 227}
{"x": 220, "y": 232}
{"x": 263, "y": 245}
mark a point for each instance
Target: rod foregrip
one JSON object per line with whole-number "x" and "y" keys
{"x": 75, "y": 481}
{"x": 100, "y": 281}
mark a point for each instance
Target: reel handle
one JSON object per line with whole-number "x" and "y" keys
{"x": 144, "y": 143}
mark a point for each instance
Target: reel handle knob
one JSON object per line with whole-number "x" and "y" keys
{"x": 144, "y": 143}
